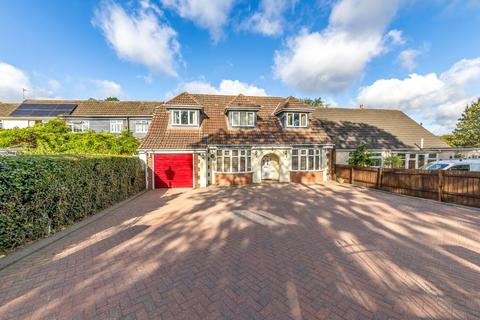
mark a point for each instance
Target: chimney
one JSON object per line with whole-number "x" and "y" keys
{"x": 361, "y": 106}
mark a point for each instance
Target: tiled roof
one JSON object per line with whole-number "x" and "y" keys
{"x": 215, "y": 131}
{"x": 106, "y": 108}
{"x": 183, "y": 99}
{"x": 7, "y": 108}
{"x": 292, "y": 104}
{"x": 378, "y": 128}
{"x": 241, "y": 101}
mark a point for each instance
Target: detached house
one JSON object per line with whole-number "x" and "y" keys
{"x": 197, "y": 140}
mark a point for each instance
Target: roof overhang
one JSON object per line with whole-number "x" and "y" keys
{"x": 254, "y": 108}
{"x": 302, "y": 110}
{"x": 183, "y": 106}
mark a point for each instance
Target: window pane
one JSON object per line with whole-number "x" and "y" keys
{"x": 290, "y": 119}
{"x": 193, "y": 117}
{"x": 234, "y": 153}
{"x": 184, "y": 117}
{"x": 311, "y": 159}
{"x": 219, "y": 163}
{"x": 295, "y": 162}
{"x": 243, "y": 118}
{"x": 304, "y": 120}
{"x": 249, "y": 162}
{"x": 295, "y": 152}
{"x": 251, "y": 119}
{"x": 243, "y": 160}
{"x": 296, "y": 120}
{"x": 303, "y": 162}
{"x": 226, "y": 164}
{"x": 235, "y": 118}
{"x": 318, "y": 160}
{"x": 234, "y": 164}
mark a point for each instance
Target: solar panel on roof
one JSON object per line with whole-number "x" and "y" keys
{"x": 43, "y": 110}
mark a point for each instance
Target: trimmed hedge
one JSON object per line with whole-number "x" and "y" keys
{"x": 40, "y": 195}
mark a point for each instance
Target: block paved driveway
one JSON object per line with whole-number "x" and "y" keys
{"x": 257, "y": 252}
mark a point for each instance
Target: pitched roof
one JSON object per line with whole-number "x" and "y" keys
{"x": 7, "y": 108}
{"x": 183, "y": 99}
{"x": 214, "y": 129}
{"x": 378, "y": 128}
{"x": 293, "y": 104}
{"x": 105, "y": 108}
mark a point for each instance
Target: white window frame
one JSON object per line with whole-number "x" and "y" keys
{"x": 290, "y": 120}
{"x": 141, "y": 126}
{"x": 248, "y": 115}
{"x": 318, "y": 155}
{"x": 176, "y": 117}
{"x": 116, "y": 126}
{"x": 1, "y": 124}
{"x": 226, "y": 156}
{"x": 414, "y": 157}
{"x": 82, "y": 125}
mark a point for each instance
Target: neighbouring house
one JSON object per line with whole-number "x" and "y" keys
{"x": 385, "y": 132}
{"x": 5, "y": 110}
{"x": 84, "y": 115}
{"x": 197, "y": 140}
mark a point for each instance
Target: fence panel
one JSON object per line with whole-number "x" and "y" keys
{"x": 450, "y": 186}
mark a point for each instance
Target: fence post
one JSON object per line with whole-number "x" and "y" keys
{"x": 351, "y": 175}
{"x": 440, "y": 185}
{"x": 379, "y": 177}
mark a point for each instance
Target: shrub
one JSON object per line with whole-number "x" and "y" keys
{"x": 361, "y": 157}
{"x": 40, "y": 195}
{"x": 55, "y": 137}
{"x": 393, "y": 161}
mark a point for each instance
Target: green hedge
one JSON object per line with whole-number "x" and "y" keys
{"x": 40, "y": 195}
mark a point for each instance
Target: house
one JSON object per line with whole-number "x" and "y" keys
{"x": 197, "y": 140}
{"x": 385, "y": 132}
{"x": 84, "y": 115}
{"x": 5, "y": 110}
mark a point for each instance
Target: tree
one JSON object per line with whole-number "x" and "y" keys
{"x": 316, "y": 103}
{"x": 467, "y": 132}
{"x": 361, "y": 157}
{"x": 393, "y": 161}
{"x": 111, "y": 99}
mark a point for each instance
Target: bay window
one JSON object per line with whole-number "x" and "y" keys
{"x": 184, "y": 117}
{"x": 308, "y": 159}
{"x": 234, "y": 160}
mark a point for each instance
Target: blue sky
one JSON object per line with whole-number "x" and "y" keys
{"x": 419, "y": 56}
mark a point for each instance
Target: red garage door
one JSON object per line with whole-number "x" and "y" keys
{"x": 173, "y": 170}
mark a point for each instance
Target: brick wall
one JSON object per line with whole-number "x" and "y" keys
{"x": 149, "y": 170}
{"x": 233, "y": 179}
{"x": 196, "y": 170}
{"x": 306, "y": 177}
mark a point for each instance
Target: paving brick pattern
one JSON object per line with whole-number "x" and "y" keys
{"x": 257, "y": 252}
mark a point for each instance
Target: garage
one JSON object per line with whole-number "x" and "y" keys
{"x": 173, "y": 170}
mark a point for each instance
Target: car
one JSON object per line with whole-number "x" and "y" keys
{"x": 454, "y": 164}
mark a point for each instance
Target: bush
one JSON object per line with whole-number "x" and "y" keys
{"x": 393, "y": 161}
{"x": 40, "y": 195}
{"x": 55, "y": 137}
{"x": 361, "y": 157}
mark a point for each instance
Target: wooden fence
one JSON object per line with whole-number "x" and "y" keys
{"x": 459, "y": 187}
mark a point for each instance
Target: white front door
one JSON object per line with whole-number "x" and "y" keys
{"x": 270, "y": 167}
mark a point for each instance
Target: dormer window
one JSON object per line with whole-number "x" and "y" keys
{"x": 184, "y": 117}
{"x": 296, "y": 120}
{"x": 242, "y": 118}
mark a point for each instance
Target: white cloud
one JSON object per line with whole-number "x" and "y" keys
{"x": 139, "y": 37}
{"x": 107, "y": 88}
{"x": 226, "y": 87}
{"x": 14, "y": 80}
{"x": 208, "y": 14}
{"x": 396, "y": 37}
{"x": 438, "y": 100}
{"x": 331, "y": 60}
{"x": 269, "y": 19}
{"x": 408, "y": 58}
